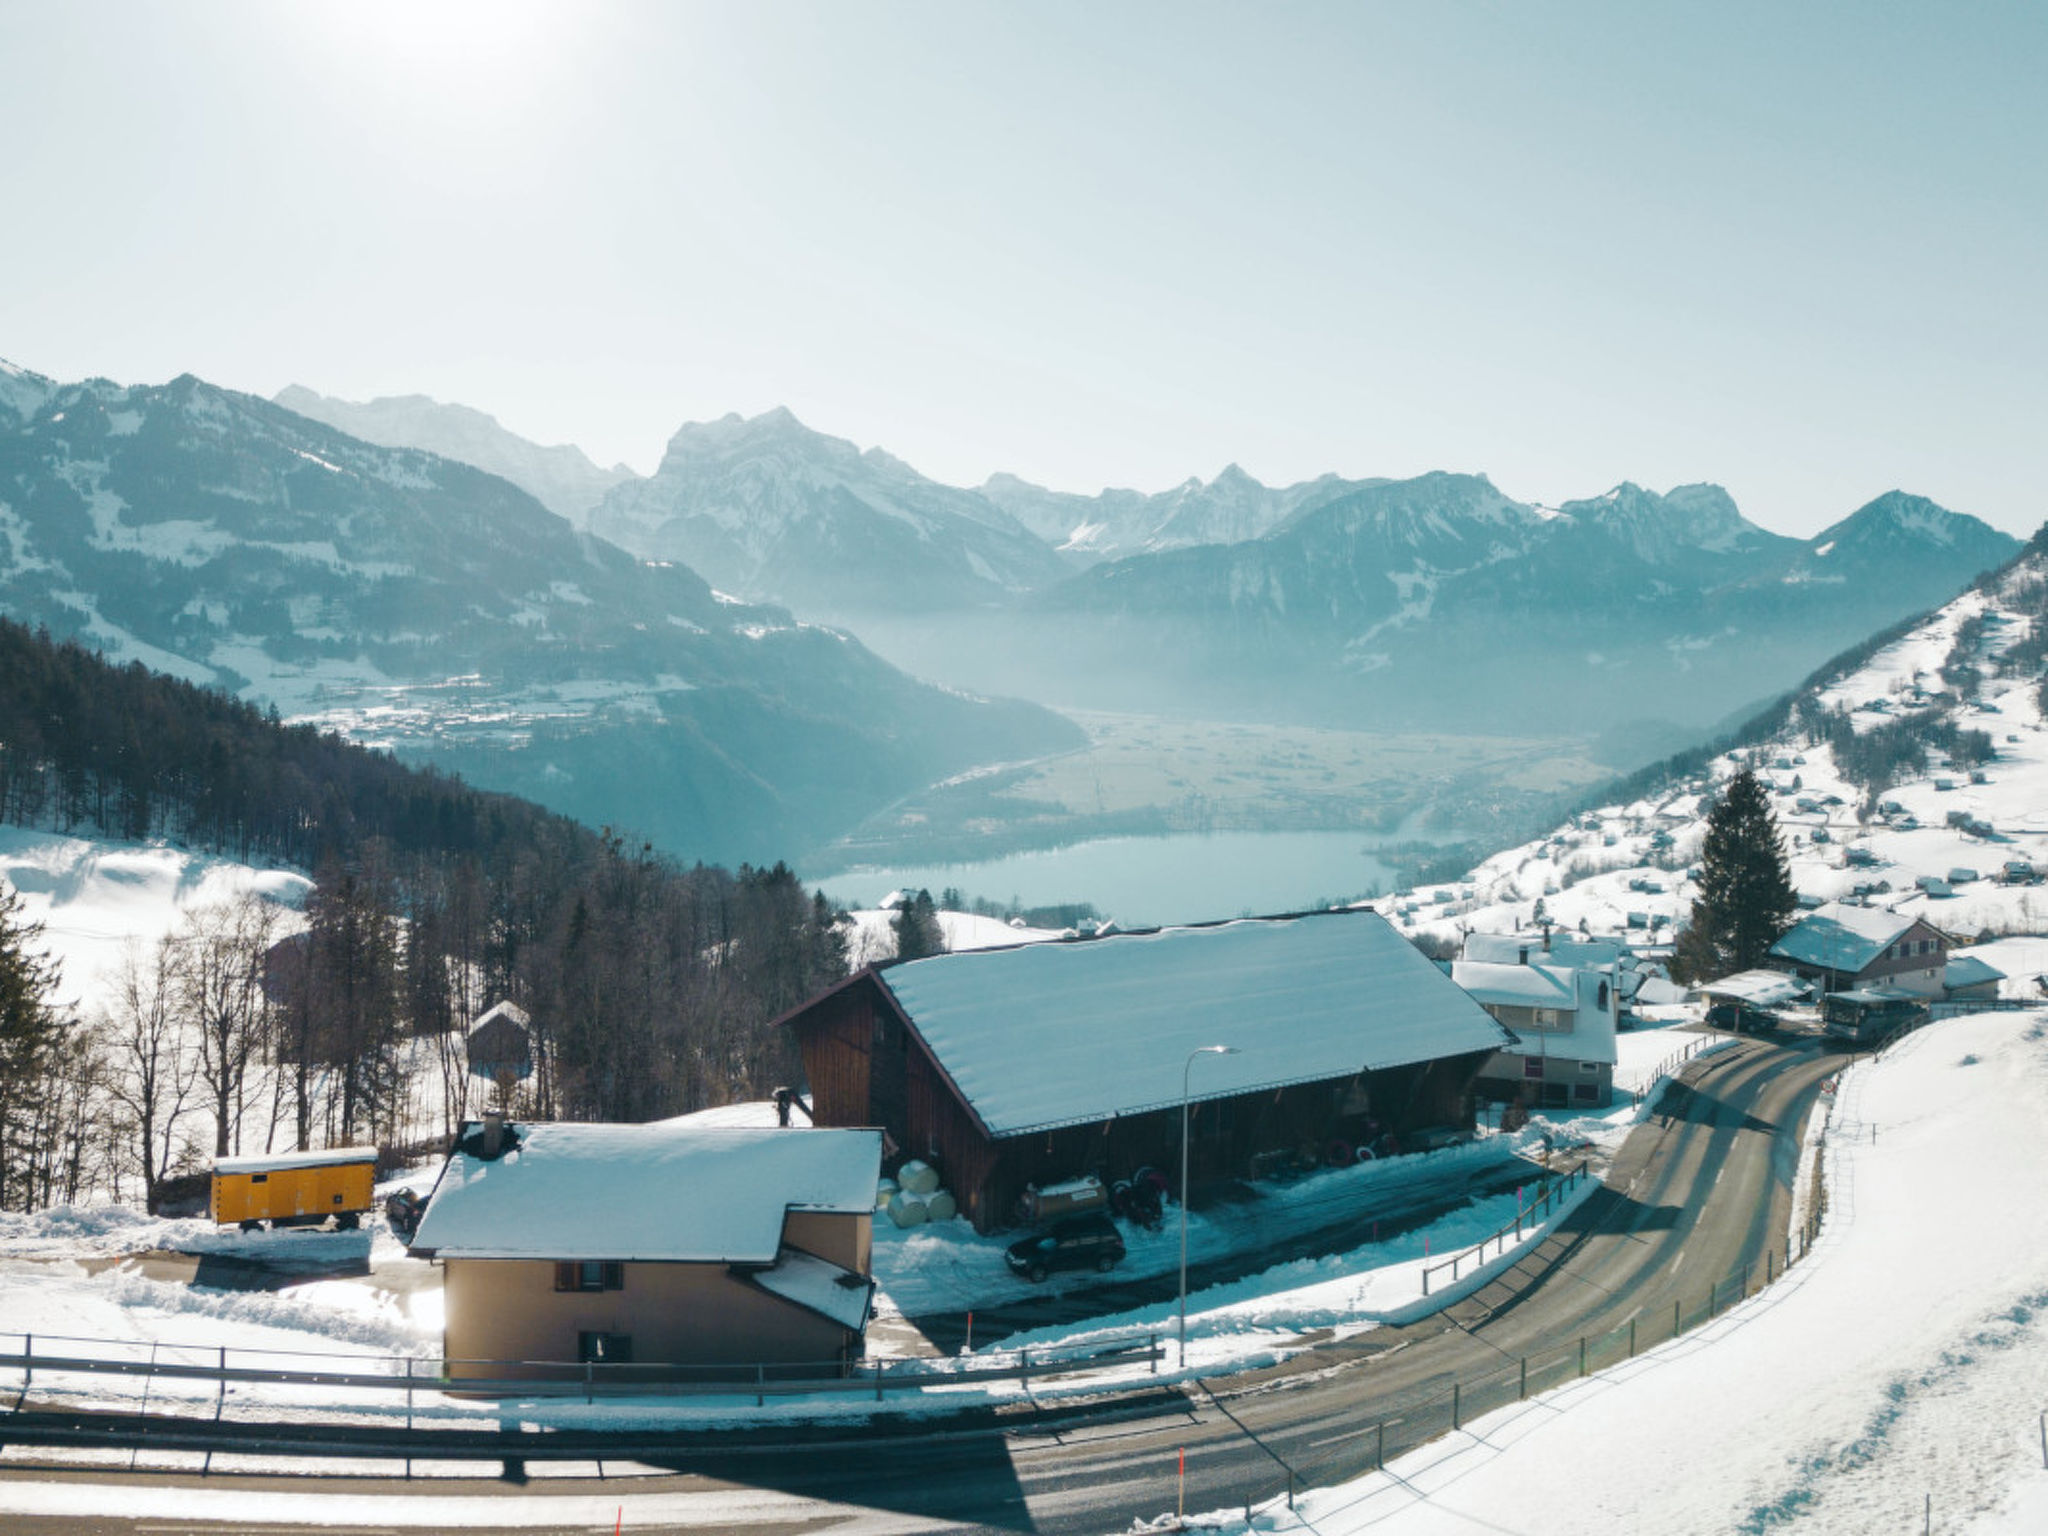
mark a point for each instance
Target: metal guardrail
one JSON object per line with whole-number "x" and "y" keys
{"x": 1368, "y": 1448}
{"x": 545, "y": 1379}
{"x": 1533, "y": 1214}
{"x": 1672, "y": 1063}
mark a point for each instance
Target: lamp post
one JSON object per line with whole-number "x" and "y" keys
{"x": 1200, "y": 1050}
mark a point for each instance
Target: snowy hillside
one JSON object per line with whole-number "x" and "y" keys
{"x": 100, "y": 901}
{"x": 1902, "y": 809}
{"x": 1890, "y": 1383}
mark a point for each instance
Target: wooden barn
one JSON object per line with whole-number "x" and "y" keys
{"x": 1035, "y": 1064}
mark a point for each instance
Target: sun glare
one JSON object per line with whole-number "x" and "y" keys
{"x": 473, "y": 49}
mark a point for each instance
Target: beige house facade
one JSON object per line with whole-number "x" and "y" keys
{"x": 654, "y": 1251}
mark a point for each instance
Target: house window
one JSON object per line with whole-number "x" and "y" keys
{"x": 1587, "y": 1068}
{"x": 595, "y": 1348}
{"x": 589, "y": 1275}
{"x": 259, "y": 1178}
{"x": 1532, "y": 1066}
{"x": 1586, "y": 1093}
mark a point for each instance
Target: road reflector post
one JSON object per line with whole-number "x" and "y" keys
{"x": 1525, "y": 1379}
{"x": 1380, "y": 1459}
{"x": 1180, "y": 1499}
{"x": 1631, "y": 1338}
{"x": 1674, "y": 1317}
{"x": 1582, "y": 1354}
{"x": 1456, "y": 1414}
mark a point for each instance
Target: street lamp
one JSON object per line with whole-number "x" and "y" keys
{"x": 1200, "y": 1050}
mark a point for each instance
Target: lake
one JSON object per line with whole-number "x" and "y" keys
{"x": 1144, "y": 882}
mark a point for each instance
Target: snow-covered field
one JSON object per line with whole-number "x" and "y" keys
{"x": 1905, "y": 1360}
{"x": 100, "y": 901}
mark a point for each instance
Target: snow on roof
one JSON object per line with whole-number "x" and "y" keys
{"x": 277, "y": 1162}
{"x": 1969, "y": 971}
{"x": 1508, "y": 949}
{"x": 1842, "y": 937}
{"x": 683, "y": 1193}
{"x": 1515, "y": 986}
{"x": 1062, "y": 1034}
{"x": 1762, "y": 989}
{"x": 819, "y": 1286}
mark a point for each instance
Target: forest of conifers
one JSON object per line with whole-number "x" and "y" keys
{"x": 648, "y": 983}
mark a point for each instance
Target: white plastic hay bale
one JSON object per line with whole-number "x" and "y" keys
{"x": 907, "y": 1210}
{"x": 885, "y": 1191}
{"x": 940, "y": 1205}
{"x": 917, "y": 1178}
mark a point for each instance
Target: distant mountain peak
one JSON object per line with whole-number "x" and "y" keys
{"x": 561, "y": 477}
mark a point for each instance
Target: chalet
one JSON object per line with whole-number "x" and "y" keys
{"x": 1045, "y": 1062}
{"x": 1843, "y": 946}
{"x": 670, "y": 1244}
{"x": 1564, "y": 1018}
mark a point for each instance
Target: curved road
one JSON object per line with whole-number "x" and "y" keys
{"x": 1699, "y": 1193}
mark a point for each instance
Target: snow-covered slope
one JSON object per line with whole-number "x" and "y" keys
{"x": 99, "y": 902}
{"x": 1890, "y": 1382}
{"x": 1964, "y": 682}
{"x": 561, "y": 478}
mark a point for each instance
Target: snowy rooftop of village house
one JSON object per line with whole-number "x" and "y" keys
{"x": 278, "y": 1162}
{"x": 819, "y": 1286}
{"x": 1062, "y": 1034}
{"x": 1842, "y": 937}
{"x": 1516, "y": 986}
{"x": 1760, "y": 989}
{"x": 666, "y": 1192}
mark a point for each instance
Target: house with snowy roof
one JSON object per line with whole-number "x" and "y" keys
{"x": 1045, "y": 1062}
{"x": 1564, "y": 1019}
{"x": 1843, "y": 946}
{"x": 673, "y": 1244}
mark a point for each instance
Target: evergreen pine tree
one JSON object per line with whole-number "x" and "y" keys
{"x": 917, "y": 928}
{"x": 30, "y": 1030}
{"x": 1745, "y": 900}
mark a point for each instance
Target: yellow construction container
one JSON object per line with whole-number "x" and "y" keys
{"x": 292, "y": 1189}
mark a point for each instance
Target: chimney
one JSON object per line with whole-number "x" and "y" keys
{"x": 494, "y": 1135}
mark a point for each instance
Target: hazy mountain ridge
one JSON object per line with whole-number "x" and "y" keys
{"x": 422, "y": 603}
{"x": 561, "y": 478}
{"x": 1440, "y": 598}
{"x": 766, "y": 508}
{"x": 1229, "y": 509}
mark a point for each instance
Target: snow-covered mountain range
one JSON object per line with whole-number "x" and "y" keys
{"x": 419, "y": 602}
{"x": 1357, "y": 601}
{"x": 1440, "y": 597}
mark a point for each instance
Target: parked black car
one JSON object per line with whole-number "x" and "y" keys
{"x": 1079, "y": 1242}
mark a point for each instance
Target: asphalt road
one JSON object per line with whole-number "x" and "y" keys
{"x": 1700, "y": 1192}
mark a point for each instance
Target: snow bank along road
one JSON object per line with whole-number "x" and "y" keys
{"x": 1701, "y": 1191}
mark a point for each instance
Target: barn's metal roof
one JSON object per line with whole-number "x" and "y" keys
{"x": 645, "y": 1192}
{"x": 1065, "y": 1034}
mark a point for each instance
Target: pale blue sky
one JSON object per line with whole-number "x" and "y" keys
{"x": 1795, "y": 249}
